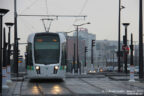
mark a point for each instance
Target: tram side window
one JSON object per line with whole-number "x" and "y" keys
{"x": 63, "y": 53}
{"x": 29, "y": 54}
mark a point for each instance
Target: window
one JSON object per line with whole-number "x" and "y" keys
{"x": 63, "y": 62}
{"x": 29, "y": 54}
{"x": 47, "y": 49}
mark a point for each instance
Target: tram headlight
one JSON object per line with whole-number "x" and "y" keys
{"x": 56, "y": 67}
{"x": 37, "y": 67}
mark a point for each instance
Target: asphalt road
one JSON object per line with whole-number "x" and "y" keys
{"x": 78, "y": 87}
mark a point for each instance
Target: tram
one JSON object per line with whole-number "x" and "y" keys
{"x": 46, "y": 56}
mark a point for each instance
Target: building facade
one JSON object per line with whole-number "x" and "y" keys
{"x": 106, "y": 53}
{"x": 88, "y": 37}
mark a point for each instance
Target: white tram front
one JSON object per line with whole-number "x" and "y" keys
{"x": 46, "y": 56}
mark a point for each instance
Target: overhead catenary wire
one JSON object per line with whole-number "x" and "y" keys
{"x": 83, "y": 7}
{"x": 25, "y": 23}
{"x": 46, "y": 6}
{"x": 33, "y": 2}
{"x": 48, "y": 20}
{"x": 30, "y": 5}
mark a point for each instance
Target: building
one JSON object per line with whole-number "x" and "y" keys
{"x": 87, "y": 37}
{"x": 72, "y": 53}
{"x": 106, "y": 53}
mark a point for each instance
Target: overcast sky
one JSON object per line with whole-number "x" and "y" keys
{"x": 103, "y": 15}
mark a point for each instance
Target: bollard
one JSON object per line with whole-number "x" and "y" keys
{"x": 132, "y": 74}
{"x": 98, "y": 70}
{"x": 4, "y": 78}
{"x": 92, "y": 68}
{"x": 9, "y": 82}
{"x": 78, "y": 71}
{"x": 85, "y": 70}
{"x": 73, "y": 71}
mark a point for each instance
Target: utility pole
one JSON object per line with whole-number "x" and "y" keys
{"x": 140, "y": 39}
{"x": 119, "y": 35}
{"x": 9, "y": 25}
{"x": 78, "y": 52}
{"x": 131, "y": 47}
{"x": 125, "y": 53}
{"x": 2, "y": 13}
{"x": 119, "y": 23}
{"x": 74, "y": 59}
{"x": 77, "y": 30}
{"x": 15, "y": 65}
{"x": 4, "y": 49}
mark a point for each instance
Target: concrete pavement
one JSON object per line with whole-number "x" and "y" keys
{"x": 99, "y": 84}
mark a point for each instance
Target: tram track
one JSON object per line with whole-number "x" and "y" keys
{"x": 40, "y": 90}
{"x": 134, "y": 86}
{"x": 70, "y": 91}
{"x": 21, "y": 87}
{"x": 16, "y": 87}
{"x": 90, "y": 84}
{"x": 110, "y": 93}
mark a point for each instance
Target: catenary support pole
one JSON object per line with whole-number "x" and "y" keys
{"x": 140, "y": 39}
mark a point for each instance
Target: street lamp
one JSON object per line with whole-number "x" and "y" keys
{"x": 77, "y": 45}
{"x": 9, "y": 25}
{"x": 125, "y": 44}
{"x": 2, "y": 13}
{"x": 119, "y": 30}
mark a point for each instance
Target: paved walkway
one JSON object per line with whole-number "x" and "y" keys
{"x": 108, "y": 82}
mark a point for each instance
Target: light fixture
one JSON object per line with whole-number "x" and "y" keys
{"x": 56, "y": 67}
{"x": 37, "y": 67}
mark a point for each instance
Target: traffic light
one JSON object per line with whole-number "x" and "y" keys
{"x": 93, "y": 43}
{"x": 86, "y": 50}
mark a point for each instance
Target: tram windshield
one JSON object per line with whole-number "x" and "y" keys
{"x": 47, "y": 49}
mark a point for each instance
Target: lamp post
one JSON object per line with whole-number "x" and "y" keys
{"x": 79, "y": 69}
{"x": 119, "y": 34}
{"x": 141, "y": 39}
{"x": 9, "y": 25}
{"x": 125, "y": 54}
{"x": 2, "y": 13}
{"x": 131, "y": 47}
{"x": 15, "y": 55}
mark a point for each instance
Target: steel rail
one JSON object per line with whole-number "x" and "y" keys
{"x": 110, "y": 93}
{"x": 40, "y": 90}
